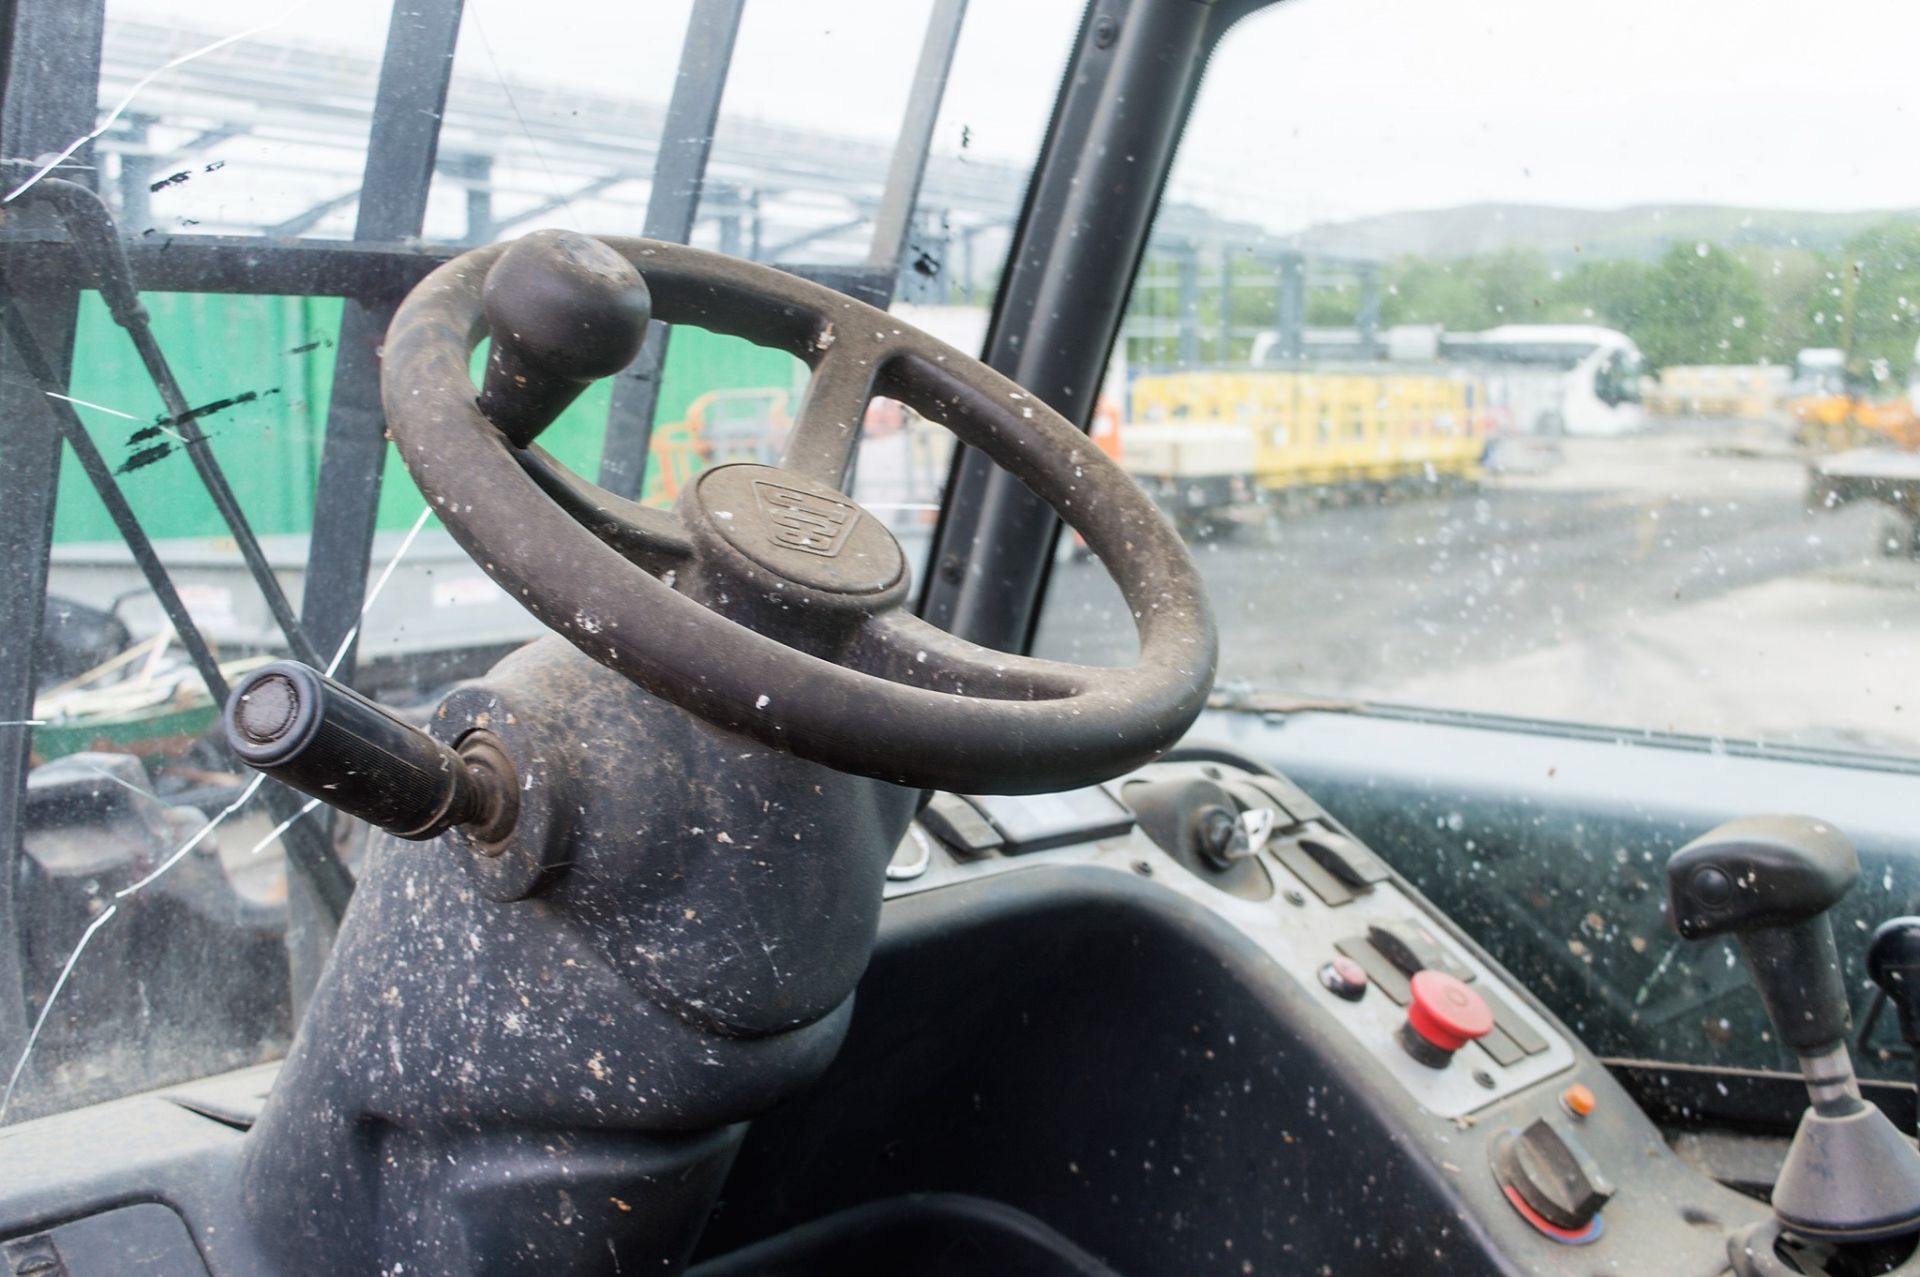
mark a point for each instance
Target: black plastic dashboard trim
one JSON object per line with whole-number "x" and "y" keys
{"x": 1632, "y": 737}
{"x": 1679, "y": 1095}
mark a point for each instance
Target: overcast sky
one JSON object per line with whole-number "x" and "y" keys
{"x": 1318, "y": 110}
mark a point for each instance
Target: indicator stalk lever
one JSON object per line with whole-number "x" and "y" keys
{"x": 328, "y": 741}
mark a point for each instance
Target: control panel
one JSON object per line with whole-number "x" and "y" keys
{"x": 1265, "y": 857}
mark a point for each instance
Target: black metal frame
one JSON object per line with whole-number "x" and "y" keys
{"x": 320, "y": 882}
{"x": 705, "y": 57}
{"x": 44, "y": 104}
{"x": 98, "y": 239}
{"x": 405, "y": 139}
{"x": 1129, "y": 88}
{"x": 49, "y": 72}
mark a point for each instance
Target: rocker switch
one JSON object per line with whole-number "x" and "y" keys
{"x": 959, "y": 824}
{"x": 1341, "y": 856}
{"x": 1411, "y": 947}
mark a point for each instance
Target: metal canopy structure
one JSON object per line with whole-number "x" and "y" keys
{"x": 290, "y": 124}
{"x": 288, "y": 127}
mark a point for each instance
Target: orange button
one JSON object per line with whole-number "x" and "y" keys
{"x": 1578, "y": 1099}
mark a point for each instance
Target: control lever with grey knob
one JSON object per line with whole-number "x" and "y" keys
{"x": 1850, "y": 1176}
{"x": 328, "y": 741}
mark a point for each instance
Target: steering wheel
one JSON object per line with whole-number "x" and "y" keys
{"x": 767, "y": 602}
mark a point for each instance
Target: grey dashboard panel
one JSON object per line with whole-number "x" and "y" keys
{"x": 1301, "y": 932}
{"x": 1180, "y": 1135}
{"x": 1548, "y": 848}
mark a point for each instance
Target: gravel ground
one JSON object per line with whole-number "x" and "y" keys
{"x": 1671, "y": 580}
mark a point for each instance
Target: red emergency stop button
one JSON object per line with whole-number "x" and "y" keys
{"x": 1443, "y": 1015}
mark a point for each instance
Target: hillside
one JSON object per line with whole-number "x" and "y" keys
{"x": 1566, "y": 234}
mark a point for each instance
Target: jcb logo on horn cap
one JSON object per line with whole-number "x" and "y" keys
{"x": 804, "y": 521}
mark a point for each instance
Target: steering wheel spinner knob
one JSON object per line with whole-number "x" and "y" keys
{"x": 564, "y": 310}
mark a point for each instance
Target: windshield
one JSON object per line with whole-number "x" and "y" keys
{"x": 196, "y": 477}
{"x": 1504, "y": 393}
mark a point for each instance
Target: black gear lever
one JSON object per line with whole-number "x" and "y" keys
{"x": 1769, "y": 881}
{"x": 1893, "y": 960}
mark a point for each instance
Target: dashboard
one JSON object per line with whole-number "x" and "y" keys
{"x": 1554, "y": 1157}
{"x": 1264, "y": 1035}
{"x": 1326, "y": 910}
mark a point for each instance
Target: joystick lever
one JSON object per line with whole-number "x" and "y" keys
{"x": 1769, "y": 881}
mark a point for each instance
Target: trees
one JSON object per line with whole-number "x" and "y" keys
{"x": 1794, "y": 286}
{"x": 1880, "y": 284}
{"x": 1610, "y": 293}
{"x": 1699, "y": 303}
{"x": 1692, "y": 306}
{"x": 1508, "y": 287}
{"x": 1702, "y": 305}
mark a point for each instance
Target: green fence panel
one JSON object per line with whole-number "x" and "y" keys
{"x": 261, "y": 368}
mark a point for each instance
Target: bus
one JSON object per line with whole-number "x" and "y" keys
{"x": 1553, "y": 379}
{"x": 1540, "y": 379}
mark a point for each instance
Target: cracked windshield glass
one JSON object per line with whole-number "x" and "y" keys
{"x": 202, "y": 447}
{"x": 1515, "y": 365}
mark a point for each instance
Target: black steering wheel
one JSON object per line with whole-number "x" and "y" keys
{"x": 767, "y": 602}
